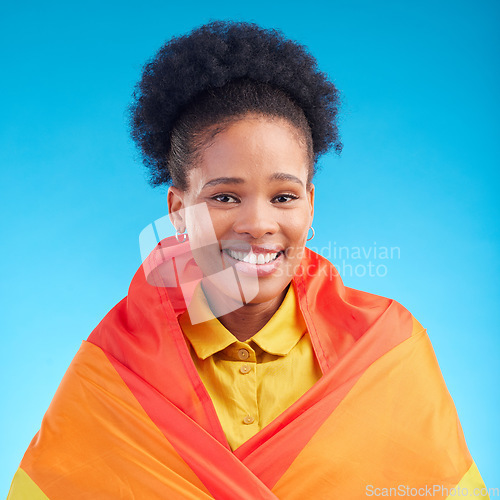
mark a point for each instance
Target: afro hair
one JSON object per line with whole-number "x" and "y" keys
{"x": 219, "y": 71}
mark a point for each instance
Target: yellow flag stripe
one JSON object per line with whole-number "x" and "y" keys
{"x": 471, "y": 486}
{"x": 24, "y": 488}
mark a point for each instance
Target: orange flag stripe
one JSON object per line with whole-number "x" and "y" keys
{"x": 96, "y": 441}
{"x": 225, "y": 476}
{"x": 427, "y": 450}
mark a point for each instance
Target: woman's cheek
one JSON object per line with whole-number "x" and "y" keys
{"x": 298, "y": 231}
{"x": 221, "y": 221}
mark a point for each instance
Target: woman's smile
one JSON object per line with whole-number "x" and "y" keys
{"x": 256, "y": 261}
{"x": 252, "y": 257}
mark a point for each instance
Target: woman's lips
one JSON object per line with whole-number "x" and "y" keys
{"x": 253, "y": 269}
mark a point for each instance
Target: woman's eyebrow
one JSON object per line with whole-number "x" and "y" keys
{"x": 224, "y": 180}
{"x": 281, "y": 176}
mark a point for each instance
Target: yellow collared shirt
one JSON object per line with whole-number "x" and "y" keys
{"x": 252, "y": 382}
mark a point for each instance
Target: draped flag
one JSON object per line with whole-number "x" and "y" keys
{"x": 131, "y": 418}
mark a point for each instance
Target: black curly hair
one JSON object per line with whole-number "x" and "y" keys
{"x": 200, "y": 82}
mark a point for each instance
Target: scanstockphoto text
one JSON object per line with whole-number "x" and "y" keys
{"x": 433, "y": 490}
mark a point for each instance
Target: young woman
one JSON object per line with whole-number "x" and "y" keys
{"x": 239, "y": 366}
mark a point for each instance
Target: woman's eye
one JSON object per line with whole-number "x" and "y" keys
{"x": 224, "y": 198}
{"x": 283, "y": 198}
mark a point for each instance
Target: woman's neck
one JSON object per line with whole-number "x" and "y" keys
{"x": 246, "y": 321}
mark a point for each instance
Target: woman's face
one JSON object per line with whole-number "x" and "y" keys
{"x": 253, "y": 180}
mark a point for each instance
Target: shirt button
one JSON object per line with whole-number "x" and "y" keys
{"x": 243, "y": 354}
{"x": 245, "y": 369}
{"x": 248, "y": 420}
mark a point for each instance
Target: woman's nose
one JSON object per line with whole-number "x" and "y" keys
{"x": 255, "y": 219}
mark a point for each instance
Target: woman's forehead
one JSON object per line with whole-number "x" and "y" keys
{"x": 255, "y": 145}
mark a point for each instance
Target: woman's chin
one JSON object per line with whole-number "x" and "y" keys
{"x": 247, "y": 290}
{"x": 244, "y": 283}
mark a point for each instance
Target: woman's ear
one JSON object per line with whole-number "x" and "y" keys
{"x": 175, "y": 203}
{"x": 310, "y": 194}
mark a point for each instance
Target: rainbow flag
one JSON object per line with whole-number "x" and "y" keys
{"x": 131, "y": 418}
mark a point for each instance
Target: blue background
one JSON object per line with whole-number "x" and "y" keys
{"x": 419, "y": 171}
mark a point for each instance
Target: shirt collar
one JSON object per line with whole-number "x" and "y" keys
{"x": 278, "y": 336}
{"x": 208, "y": 337}
{"x": 282, "y": 332}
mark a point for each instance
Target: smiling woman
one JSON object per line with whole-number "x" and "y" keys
{"x": 238, "y": 365}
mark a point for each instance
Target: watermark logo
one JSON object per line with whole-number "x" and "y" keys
{"x": 184, "y": 265}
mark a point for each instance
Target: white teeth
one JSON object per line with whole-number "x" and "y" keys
{"x": 252, "y": 258}
{"x": 271, "y": 256}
